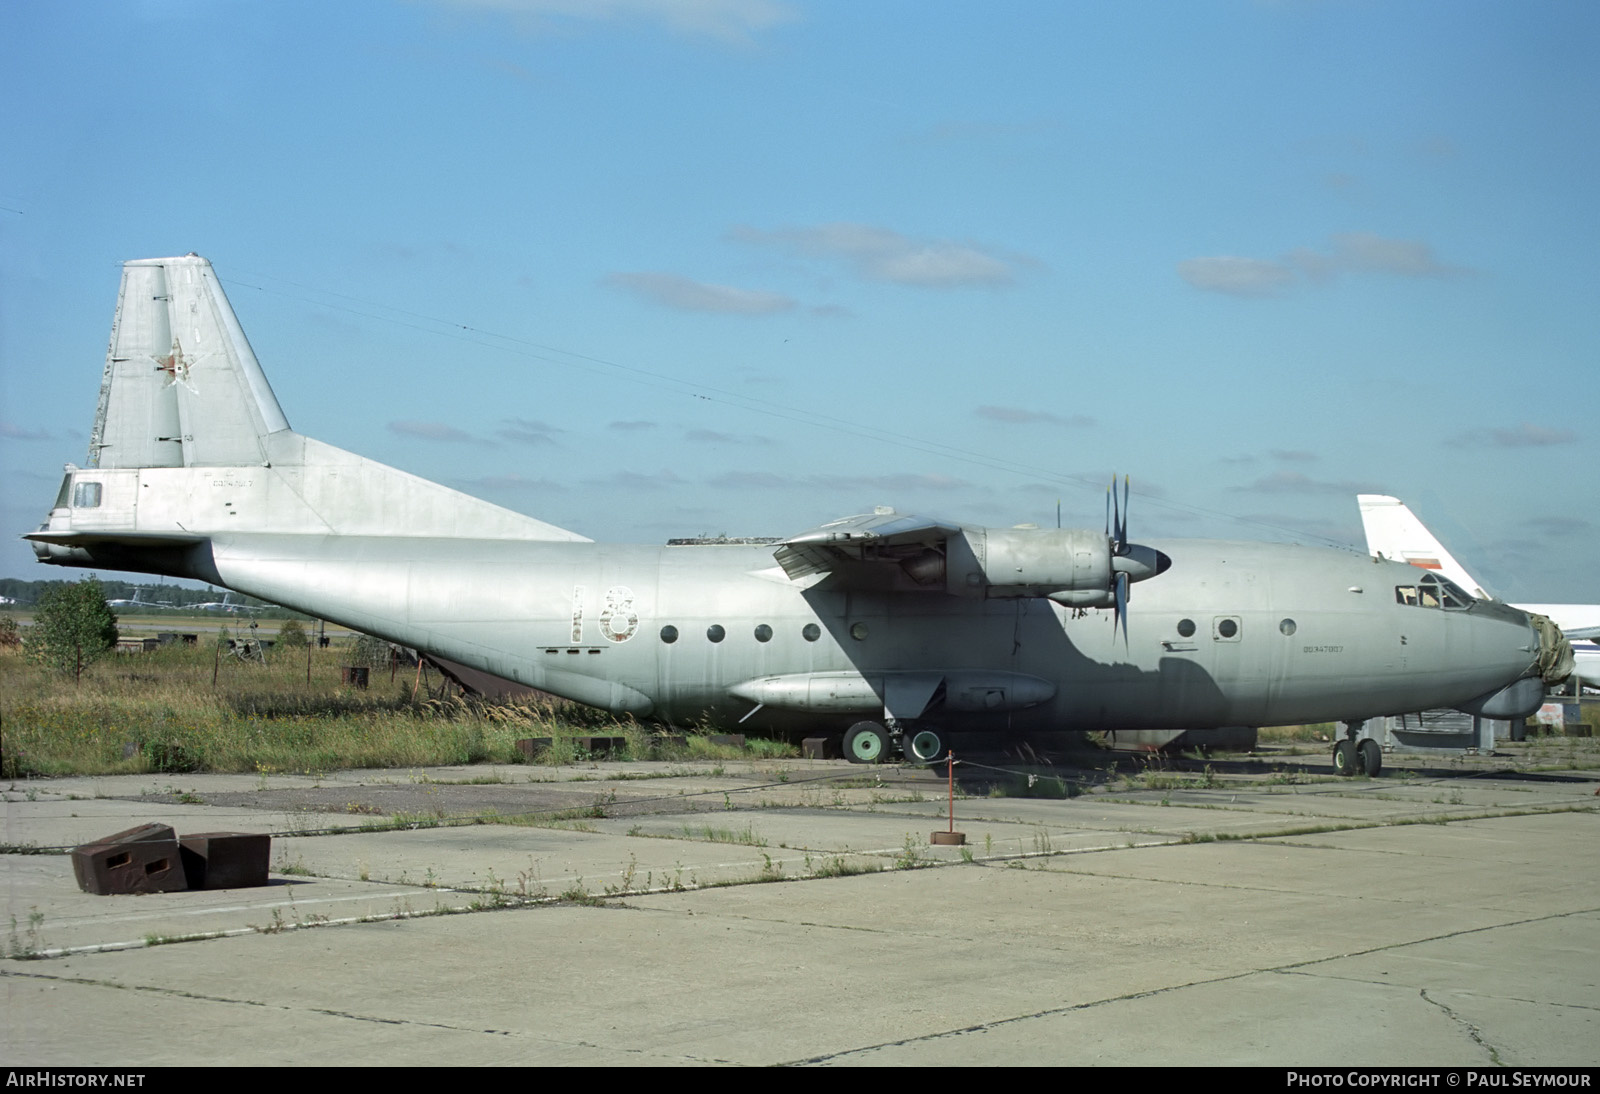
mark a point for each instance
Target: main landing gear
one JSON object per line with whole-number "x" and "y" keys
{"x": 871, "y": 743}
{"x": 1354, "y": 754}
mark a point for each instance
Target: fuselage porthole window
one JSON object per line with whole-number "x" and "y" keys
{"x": 763, "y": 633}
{"x": 669, "y": 634}
{"x": 1287, "y": 627}
{"x": 715, "y": 632}
{"x": 811, "y": 632}
{"x": 1227, "y": 628}
{"x": 858, "y": 631}
{"x": 1186, "y": 628}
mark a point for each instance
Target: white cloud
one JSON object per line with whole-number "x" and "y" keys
{"x": 509, "y": 482}
{"x": 431, "y": 431}
{"x": 752, "y": 480}
{"x": 636, "y": 480}
{"x": 712, "y": 436}
{"x": 1236, "y": 276}
{"x": 1012, "y": 415}
{"x": 1523, "y": 435}
{"x": 676, "y": 291}
{"x": 1350, "y": 253}
{"x": 1293, "y": 482}
{"x": 882, "y": 254}
{"x": 733, "y": 22}
{"x": 906, "y": 481}
{"x": 13, "y": 432}
{"x": 527, "y": 431}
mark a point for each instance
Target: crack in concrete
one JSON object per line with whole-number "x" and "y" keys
{"x": 1294, "y": 968}
{"x": 202, "y": 997}
{"x": 1472, "y": 1031}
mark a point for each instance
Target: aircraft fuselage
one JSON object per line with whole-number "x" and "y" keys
{"x": 1235, "y": 634}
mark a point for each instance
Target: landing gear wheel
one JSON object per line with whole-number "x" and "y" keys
{"x": 1369, "y": 754}
{"x": 1344, "y": 758}
{"x": 865, "y": 743}
{"x": 922, "y": 746}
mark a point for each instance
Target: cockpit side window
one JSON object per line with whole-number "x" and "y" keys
{"x": 1433, "y": 591}
{"x": 1451, "y": 597}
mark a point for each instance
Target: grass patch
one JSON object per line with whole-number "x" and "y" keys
{"x": 1024, "y": 785}
{"x": 161, "y": 712}
{"x": 1314, "y": 731}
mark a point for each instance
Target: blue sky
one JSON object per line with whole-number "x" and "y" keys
{"x": 646, "y": 268}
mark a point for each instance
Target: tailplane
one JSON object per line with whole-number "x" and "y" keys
{"x": 190, "y": 449}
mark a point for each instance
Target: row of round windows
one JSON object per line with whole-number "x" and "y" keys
{"x": 1228, "y": 627}
{"x": 716, "y": 633}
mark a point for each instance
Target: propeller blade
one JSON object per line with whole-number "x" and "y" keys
{"x": 1122, "y": 520}
{"x": 1122, "y": 608}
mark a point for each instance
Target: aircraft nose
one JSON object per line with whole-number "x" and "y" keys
{"x": 1555, "y": 660}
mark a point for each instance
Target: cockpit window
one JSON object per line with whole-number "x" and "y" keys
{"x": 1450, "y": 594}
{"x": 1433, "y": 591}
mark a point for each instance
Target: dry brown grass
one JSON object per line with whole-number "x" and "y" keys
{"x": 159, "y": 711}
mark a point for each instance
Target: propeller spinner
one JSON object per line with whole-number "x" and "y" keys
{"x": 1130, "y": 562}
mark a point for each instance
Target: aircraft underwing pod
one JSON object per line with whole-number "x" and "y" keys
{"x": 898, "y": 696}
{"x": 883, "y": 628}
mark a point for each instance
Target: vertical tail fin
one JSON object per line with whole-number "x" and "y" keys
{"x": 1394, "y": 532}
{"x": 182, "y": 387}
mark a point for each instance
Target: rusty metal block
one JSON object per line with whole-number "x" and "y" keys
{"x": 820, "y": 748}
{"x": 225, "y": 860}
{"x": 600, "y": 746}
{"x": 140, "y": 860}
{"x": 533, "y": 747}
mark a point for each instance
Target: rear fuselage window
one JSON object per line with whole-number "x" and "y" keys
{"x": 86, "y": 495}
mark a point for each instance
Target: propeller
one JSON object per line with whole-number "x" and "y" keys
{"x": 1130, "y": 562}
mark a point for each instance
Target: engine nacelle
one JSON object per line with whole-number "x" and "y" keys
{"x": 1005, "y": 562}
{"x": 1075, "y": 567}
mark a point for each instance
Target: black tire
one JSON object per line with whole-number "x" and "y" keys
{"x": 1344, "y": 758}
{"x": 1369, "y": 755}
{"x": 866, "y": 743}
{"x": 922, "y": 746}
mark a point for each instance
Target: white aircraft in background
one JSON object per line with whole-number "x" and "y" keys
{"x": 124, "y": 605}
{"x": 224, "y": 605}
{"x": 1394, "y": 532}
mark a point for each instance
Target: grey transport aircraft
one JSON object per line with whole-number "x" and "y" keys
{"x": 891, "y": 629}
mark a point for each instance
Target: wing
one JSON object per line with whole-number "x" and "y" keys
{"x": 883, "y": 540}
